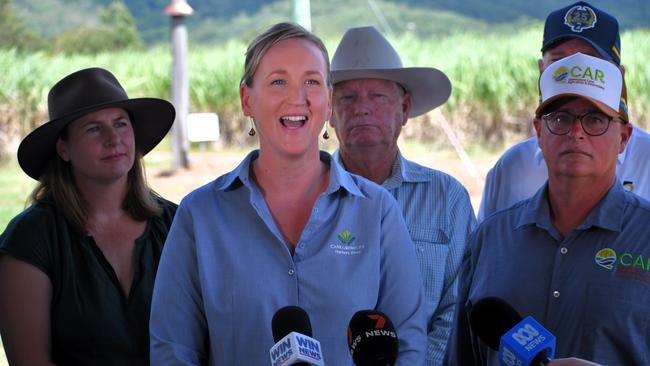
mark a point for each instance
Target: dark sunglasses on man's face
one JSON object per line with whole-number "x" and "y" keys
{"x": 561, "y": 122}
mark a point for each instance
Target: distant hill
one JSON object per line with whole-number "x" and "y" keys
{"x": 218, "y": 20}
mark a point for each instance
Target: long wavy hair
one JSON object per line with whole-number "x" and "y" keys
{"x": 57, "y": 184}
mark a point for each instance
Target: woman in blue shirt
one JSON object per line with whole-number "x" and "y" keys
{"x": 287, "y": 227}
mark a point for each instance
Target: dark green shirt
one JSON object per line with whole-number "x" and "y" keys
{"x": 92, "y": 322}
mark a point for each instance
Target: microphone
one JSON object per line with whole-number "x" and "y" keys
{"x": 519, "y": 341}
{"x": 292, "y": 334}
{"x": 372, "y": 339}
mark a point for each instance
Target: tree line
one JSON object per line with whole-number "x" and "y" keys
{"x": 116, "y": 30}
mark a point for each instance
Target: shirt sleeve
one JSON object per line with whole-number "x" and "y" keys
{"x": 463, "y": 223}
{"x": 463, "y": 348}
{"x": 489, "y": 196}
{"x": 401, "y": 293}
{"x": 178, "y": 328}
{"x": 29, "y": 236}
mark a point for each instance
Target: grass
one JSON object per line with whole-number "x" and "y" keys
{"x": 493, "y": 77}
{"x": 16, "y": 186}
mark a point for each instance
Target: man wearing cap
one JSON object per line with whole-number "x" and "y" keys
{"x": 373, "y": 98}
{"x": 575, "y": 255}
{"x": 521, "y": 170}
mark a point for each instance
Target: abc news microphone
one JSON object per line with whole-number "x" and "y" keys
{"x": 293, "y": 342}
{"x": 519, "y": 341}
{"x": 372, "y": 339}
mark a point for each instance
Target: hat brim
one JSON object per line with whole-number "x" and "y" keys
{"x": 600, "y": 105}
{"x": 151, "y": 118}
{"x": 429, "y": 87}
{"x": 554, "y": 41}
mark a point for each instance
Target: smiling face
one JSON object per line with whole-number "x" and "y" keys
{"x": 99, "y": 146}
{"x": 289, "y": 98}
{"x": 369, "y": 113}
{"x": 577, "y": 154}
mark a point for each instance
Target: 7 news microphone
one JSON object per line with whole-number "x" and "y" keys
{"x": 519, "y": 341}
{"x": 372, "y": 339}
{"x": 293, "y": 342}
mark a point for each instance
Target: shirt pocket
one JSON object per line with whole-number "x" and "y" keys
{"x": 431, "y": 249}
{"x": 617, "y": 323}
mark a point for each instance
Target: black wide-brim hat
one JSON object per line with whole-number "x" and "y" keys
{"x": 87, "y": 91}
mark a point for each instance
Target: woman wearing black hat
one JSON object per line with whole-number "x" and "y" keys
{"x": 77, "y": 266}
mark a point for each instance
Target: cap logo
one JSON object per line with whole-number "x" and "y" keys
{"x": 560, "y": 74}
{"x": 580, "y": 17}
{"x": 580, "y": 75}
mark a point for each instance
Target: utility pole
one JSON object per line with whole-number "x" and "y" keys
{"x": 178, "y": 10}
{"x": 302, "y": 13}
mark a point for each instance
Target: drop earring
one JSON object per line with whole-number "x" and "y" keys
{"x": 251, "y": 132}
{"x": 326, "y": 135}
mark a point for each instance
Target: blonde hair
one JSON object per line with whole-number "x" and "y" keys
{"x": 281, "y": 31}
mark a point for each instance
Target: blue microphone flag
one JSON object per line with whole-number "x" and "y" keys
{"x": 526, "y": 343}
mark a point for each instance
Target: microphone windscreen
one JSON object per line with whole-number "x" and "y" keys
{"x": 372, "y": 339}
{"x": 491, "y": 318}
{"x": 290, "y": 319}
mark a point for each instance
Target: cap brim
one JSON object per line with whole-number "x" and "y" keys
{"x": 151, "y": 117}
{"x": 553, "y": 41}
{"x": 600, "y": 105}
{"x": 429, "y": 87}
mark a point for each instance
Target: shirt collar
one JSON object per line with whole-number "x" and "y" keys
{"x": 608, "y": 213}
{"x": 339, "y": 178}
{"x": 401, "y": 171}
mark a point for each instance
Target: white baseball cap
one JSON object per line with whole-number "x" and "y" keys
{"x": 583, "y": 76}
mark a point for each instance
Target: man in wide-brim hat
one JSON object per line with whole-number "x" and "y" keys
{"x": 374, "y": 96}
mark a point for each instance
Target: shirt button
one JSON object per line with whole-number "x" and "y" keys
{"x": 556, "y": 294}
{"x": 563, "y": 250}
{"x": 291, "y": 272}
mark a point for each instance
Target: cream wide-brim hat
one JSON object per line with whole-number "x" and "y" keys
{"x": 364, "y": 53}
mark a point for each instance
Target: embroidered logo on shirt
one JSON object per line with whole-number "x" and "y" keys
{"x": 627, "y": 265}
{"x": 346, "y": 237}
{"x": 345, "y": 245}
{"x": 606, "y": 258}
{"x": 628, "y": 186}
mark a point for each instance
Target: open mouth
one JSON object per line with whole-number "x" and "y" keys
{"x": 293, "y": 122}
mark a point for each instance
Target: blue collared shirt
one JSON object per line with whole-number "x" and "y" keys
{"x": 439, "y": 217}
{"x": 226, "y": 270}
{"x": 591, "y": 289}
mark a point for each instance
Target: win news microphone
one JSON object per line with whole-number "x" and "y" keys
{"x": 292, "y": 334}
{"x": 372, "y": 339}
{"x": 519, "y": 341}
